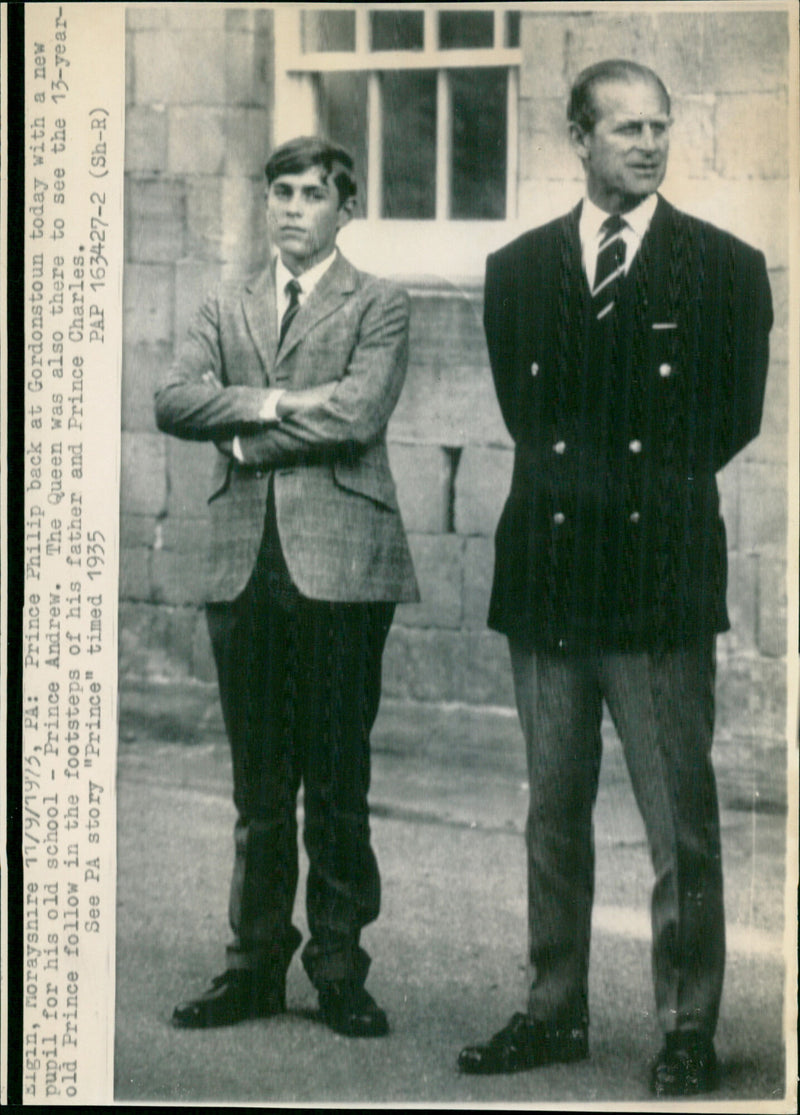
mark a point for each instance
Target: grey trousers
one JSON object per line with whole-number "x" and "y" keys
{"x": 663, "y": 709}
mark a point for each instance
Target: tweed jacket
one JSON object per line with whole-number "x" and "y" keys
{"x": 611, "y": 537}
{"x": 336, "y": 506}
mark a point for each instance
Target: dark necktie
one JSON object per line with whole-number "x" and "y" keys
{"x": 610, "y": 266}
{"x": 293, "y": 289}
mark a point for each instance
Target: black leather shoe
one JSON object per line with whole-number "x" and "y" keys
{"x": 234, "y": 996}
{"x": 524, "y": 1044}
{"x": 686, "y": 1066}
{"x": 352, "y": 1011}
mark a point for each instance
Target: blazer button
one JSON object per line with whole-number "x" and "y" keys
{"x": 665, "y": 370}
{"x": 635, "y": 446}
{"x": 634, "y": 516}
{"x": 559, "y": 447}
{"x": 559, "y": 518}
{"x": 534, "y": 369}
{"x": 259, "y": 473}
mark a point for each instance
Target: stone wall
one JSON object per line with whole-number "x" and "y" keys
{"x": 199, "y": 124}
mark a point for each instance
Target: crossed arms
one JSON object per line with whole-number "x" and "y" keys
{"x": 347, "y": 408}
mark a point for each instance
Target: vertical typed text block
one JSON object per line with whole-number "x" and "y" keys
{"x": 74, "y": 105}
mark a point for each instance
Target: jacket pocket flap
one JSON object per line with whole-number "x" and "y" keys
{"x": 376, "y": 484}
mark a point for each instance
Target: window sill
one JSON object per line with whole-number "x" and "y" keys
{"x": 426, "y": 252}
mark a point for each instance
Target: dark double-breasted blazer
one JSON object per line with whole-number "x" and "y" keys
{"x": 336, "y": 506}
{"x": 611, "y": 536}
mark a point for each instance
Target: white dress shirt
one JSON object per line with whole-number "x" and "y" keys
{"x": 637, "y": 222}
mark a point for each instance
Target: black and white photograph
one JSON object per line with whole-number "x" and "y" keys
{"x": 456, "y": 629}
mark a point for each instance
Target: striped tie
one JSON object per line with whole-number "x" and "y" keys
{"x": 610, "y": 266}
{"x": 293, "y": 289}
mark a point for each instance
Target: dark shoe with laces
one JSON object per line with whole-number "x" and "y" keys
{"x": 235, "y": 996}
{"x": 686, "y": 1066}
{"x": 525, "y": 1044}
{"x": 351, "y": 1010}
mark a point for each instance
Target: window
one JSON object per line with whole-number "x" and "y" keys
{"x": 424, "y": 96}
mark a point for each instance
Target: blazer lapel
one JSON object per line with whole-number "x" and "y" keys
{"x": 258, "y": 303}
{"x": 336, "y": 284}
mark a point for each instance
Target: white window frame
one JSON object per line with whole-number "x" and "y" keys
{"x": 433, "y": 246}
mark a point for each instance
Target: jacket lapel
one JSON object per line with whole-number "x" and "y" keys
{"x": 339, "y": 281}
{"x": 258, "y": 304}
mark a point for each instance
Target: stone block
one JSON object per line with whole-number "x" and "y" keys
{"x": 244, "y": 226}
{"x": 143, "y": 489}
{"x": 145, "y": 18}
{"x": 438, "y": 561}
{"x": 762, "y": 116}
{"x": 137, "y": 530}
{"x": 678, "y": 51}
{"x": 249, "y": 75}
{"x": 613, "y": 33}
{"x": 540, "y": 200}
{"x": 248, "y": 141}
{"x": 742, "y": 600}
{"x": 143, "y": 367}
{"x": 478, "y": 573}
{"x": 194, "y": 281}
{"x": 544, "y": 148}
{"x": 155, "y": 642}
{"x": 211, "y": 17}
{"x": 196, "y": 140}
{"x": 134, "y": 573}
{"x": 763, "y": 507}
{"x": 425, "y": 665}
{"x": 728, "y": 484}
{"x": 483, "y": 481}
{"x": 779, "y": 337}
{"x": 770, "y": 445}
{"x": 691, "y": 151}
{"x": 155, "y": 218}
{"x": 543, "y": 38}
{"x": 452, "y": 317}
{"x": 204, "y": 216}
{"x": 751, "y": 696}
{"x": 182, "y": 534}
{"x": 148, "y": 301}
{"x": 422, "y": 477}
{"x": 179, "y": 578}
{"x": 177, "y": 67}
{"x": 488, "y": 679}
{"x": 203, "y": 665}
{"x": 745, "y": 51}
{"x": 772, "y": 604}
{"x": 448, "y": 405}
{"x": 756, "y": 210}
{"x": 146, "y": 139}
{"x": 189, "y": 465}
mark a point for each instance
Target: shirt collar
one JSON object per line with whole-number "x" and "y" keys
{"x": 308, "y": 280}
{"x": 637, "y": 219}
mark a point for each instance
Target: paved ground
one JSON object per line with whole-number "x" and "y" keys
{"x": 449, "y": 802}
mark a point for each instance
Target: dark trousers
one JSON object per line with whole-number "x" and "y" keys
{"x": 299, "y": 685}
{"x": 663, "y": 708}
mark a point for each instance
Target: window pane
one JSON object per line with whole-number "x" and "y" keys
{"x": 396, "y": 30}
{"x": 328, "y": 30}
{"x": 479, "y": 144}
{"x": 512, "y": 29}
{"x": 465, "y": 29}
{"x": 343, "y": 119}
{"x": 409, "y": 144}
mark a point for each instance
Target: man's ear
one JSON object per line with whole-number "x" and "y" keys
{"x": 577, "y": 140}
{"x": 346, "y": 210}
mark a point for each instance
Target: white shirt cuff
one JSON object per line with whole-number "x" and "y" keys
{"x": 236, "y": 449}
{"x": 269, "y": 408}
